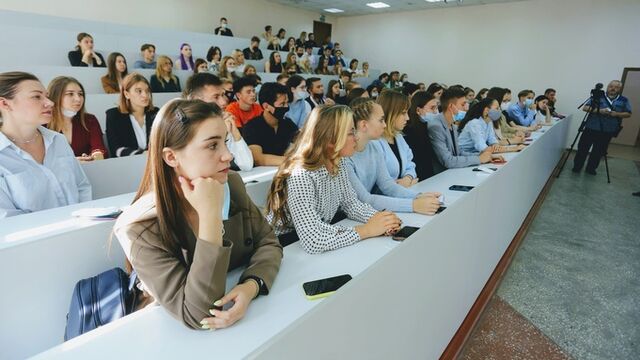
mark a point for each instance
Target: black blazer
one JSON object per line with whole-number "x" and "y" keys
{"x": 417, "y": 136}
{"x": 158, "y": 85}
{"x": 120, "y": 136}
{"x": 75, "y": 58}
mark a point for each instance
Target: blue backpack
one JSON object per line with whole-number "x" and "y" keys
{"x": 99, "y": 300}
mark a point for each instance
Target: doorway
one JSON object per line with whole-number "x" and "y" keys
{"x": 630, "y": 134}
{"x": 321, "y": 30}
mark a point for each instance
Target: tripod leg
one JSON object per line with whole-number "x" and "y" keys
{"x": 563, "y": 161}
{"x": 606, "y": 165}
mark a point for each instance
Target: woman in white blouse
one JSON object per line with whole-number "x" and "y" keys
{"x": 38, "y": 169}
{"x": 312, "y": 184}
{"x": 129, "y": 124}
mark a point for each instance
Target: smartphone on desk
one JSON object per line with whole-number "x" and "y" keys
{"x": 460, "y": 188}
{"x": 404, "y": 233}
{"x": 322, "y": 288}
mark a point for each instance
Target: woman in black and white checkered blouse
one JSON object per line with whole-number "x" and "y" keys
{"x": 312, "y": 184}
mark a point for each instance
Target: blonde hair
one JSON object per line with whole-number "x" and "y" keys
{"x": 362, "y": 109}
{"x": 312, "y": 150}
{"x": 160, "y": 73}
{"x": 56, "y": 91}
{"x": 393, "y": 104}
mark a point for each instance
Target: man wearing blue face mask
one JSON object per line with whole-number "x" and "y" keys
{"x": 270, "y": 134}
{"x": 444, "y": 135}
{"x": 524, "y": 111}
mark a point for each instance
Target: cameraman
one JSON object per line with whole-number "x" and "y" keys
{"x": 601, "y": 126}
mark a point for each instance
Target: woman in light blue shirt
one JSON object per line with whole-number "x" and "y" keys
{"x": 38, "y": 169}
{"x": 397, "y": 154}
{"x": 367, "y": 173}
{"x": 299, "y": 108}
{"x": 477, "y": 129}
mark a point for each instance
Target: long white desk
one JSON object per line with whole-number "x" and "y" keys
{"x": 406, "y": 300}
{"x": 43, "y": 255}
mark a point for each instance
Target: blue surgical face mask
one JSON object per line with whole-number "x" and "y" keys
{"x": 528, "y": 102}
{"x": 428, "y": 117}
{"x": 301, "y": 95}
{"x": 460, "y": 115}
{"x": 495, "y": 114}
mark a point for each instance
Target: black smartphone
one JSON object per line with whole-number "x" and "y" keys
{"x": 441, "y": 209}
{"x": 404, "y": 233}
{"x": 460, "y": 188}
{"x": 324, "y": 287}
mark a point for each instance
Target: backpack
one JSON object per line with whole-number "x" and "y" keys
{"x": 99, "y": 300}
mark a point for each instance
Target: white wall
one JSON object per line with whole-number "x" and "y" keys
{"x": 246, "y": 17}
{"x": 568, "y": 45}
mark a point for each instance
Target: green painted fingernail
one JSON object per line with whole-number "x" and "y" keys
{"x": 206, "y": 327}
{"x": 211, "y": 312}
{"x": 218, "y": 303}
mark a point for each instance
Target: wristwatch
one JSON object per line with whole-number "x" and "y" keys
{"x": 262, "y": 287}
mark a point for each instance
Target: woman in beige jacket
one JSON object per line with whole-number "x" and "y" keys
{"x": 192, "y": 220}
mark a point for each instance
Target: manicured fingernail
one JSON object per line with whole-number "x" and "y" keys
{"x": 211, "y": 312}
{"x": 206, "y": 327}
{"x": 218, "y": 303}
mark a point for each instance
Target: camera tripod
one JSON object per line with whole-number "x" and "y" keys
{"x": 594, "y": 99}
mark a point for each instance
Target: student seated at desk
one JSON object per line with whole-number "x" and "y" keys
{"x": 270, "y": 134}
{"x": 397, "y": 154}
{"x": 367, "y": 173}
{"x": 148, "y": 53}
{"x": 129, "y": 124}
{"x": 192, "y": 221}
{"x": 84, "y": 55}
{"x": 116, "y": 71}
{"x": 312, "y": 184}
{"x": 424, "y": 106}
{"x": 246, "y": 108}
{"x": 477, "y": 132}
{"x": 228, "y": 69}
{"x": 208, "y": 88}
{"x": 274, "y": 64}
{"x": 505, "y": 132}
{"x": 444, "y": 135}
{"x": 38, "y": 169}
{"x": 164, "y": 80}
{"x": 253, "y": 52}
{"x": 524, "y": 111}
{"x": 543, "y": 114}
{"x": 81, "y": 130}
{"x": 185, "y": 60}
{"x": 299, "y": 108}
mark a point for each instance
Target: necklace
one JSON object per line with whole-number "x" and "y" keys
{"x": 16, "y": 141}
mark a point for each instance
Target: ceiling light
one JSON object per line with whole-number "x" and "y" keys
{"x": 433, "y": 1}
{"x": 378, "y": 5}
{"x": 333, "y": 10}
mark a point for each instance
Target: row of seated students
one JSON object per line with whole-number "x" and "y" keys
{"x": 299, "y": 61}
{"x": 192, "y": 221}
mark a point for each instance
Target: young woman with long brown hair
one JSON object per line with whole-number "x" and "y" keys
{"x": 69, "y": 117}
{"x": 312, "y": 183}
{"x": 116, "y": 71}
{"x": 192, "y": 220}
{"x": 37, "y": 167}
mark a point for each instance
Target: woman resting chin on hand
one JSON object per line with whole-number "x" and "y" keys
{"x": 174, "y": 232}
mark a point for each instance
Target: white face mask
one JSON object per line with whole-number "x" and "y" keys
{"x": 505, "y": 105}
{"x": 69, "y": 113}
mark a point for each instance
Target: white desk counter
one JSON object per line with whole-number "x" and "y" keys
{"x": 42, "y": 256}
{"x": 406, "y": 300}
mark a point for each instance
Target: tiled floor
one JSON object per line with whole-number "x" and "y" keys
{"x": 573, "y": 288}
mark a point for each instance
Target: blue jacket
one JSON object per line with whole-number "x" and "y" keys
{"x": 407, "y": 166}
{"x": 521, "y": 114}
